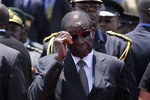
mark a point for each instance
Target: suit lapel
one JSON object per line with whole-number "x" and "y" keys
{"x": 71, "y": 74}
{"x": 99, "y": 69}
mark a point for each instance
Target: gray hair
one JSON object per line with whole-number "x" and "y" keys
{"x": 81, "y": 16}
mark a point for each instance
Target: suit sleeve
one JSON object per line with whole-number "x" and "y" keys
{"x": 44, "y": 85}
{"x": 16, "y": 84}
{"x": 123, "y": 92}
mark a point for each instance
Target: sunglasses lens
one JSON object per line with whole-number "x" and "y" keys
{"x": 85, "y": 34}
{"x": 74, "y": 36}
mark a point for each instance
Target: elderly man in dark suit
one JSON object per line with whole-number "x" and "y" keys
{"x": 101, "y": 77}
{"x": 9, "y": 41}
{"x": 12, "y": 80}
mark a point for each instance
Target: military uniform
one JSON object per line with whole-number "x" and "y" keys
{"x": 9, "y": 41}
{"x": 25, "y": 20}
{"x": 128, "y": 23}
{"x": 35, "y": 50}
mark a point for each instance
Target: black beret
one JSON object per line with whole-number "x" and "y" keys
{"x": 129, "y": 19}
{"x": 113, "y": 7}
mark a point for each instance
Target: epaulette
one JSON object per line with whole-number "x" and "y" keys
{"x": 119, "y": 35}
{"x": 34, "y": 49}
{"x": 129, "y": 42}
{"x": 49, "y": 37}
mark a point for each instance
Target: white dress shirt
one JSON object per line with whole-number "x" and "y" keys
{"x": 88, "y": 67}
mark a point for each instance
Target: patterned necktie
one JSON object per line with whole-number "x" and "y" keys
{"x": 49, "y": 4}
{"x": 83, "y": 76}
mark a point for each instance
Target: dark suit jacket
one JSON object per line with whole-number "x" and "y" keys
{"x": 140, "y": 49}
{"x": 9, "y": 41}
{"x": 109, "y": 80}
{"x": 12, "y": 80}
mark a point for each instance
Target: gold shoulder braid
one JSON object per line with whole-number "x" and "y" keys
{"x": 49, "y": 37}
{"x": 129, "y": 42}
{"x": 50, "y": 48}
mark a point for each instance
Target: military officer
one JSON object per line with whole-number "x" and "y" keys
{"x": 109, "y": 16}
{"x": 34, "y": 48}
{"x": 110, "y": 42}
{"x": 128, "y": 23}
{"x": 22, "y": 23}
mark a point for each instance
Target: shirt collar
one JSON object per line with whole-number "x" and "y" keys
{"x": 2, "y": 30}
{"x": 88, "y": 59}
{"x": 144, "y": 24}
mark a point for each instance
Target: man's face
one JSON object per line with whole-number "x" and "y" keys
{"x": 82, "y": 37}
{"x": 107, "y": 23}
{"x": 14, "y": 30}
{"x": 92, "y": 9}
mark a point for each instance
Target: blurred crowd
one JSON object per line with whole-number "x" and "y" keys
{"x": 42, "y": 26}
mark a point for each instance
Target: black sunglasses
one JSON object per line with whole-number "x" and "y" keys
{"x": 83, "y": 34}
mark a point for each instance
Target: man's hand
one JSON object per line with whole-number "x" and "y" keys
{"x": 62, "y": 39}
